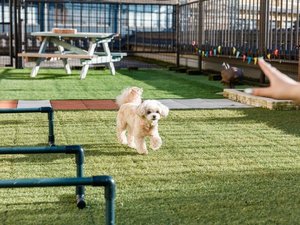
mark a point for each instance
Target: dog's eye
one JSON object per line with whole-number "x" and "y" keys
{"x": 157, "y": 111}
{"x": 148, "y": 112}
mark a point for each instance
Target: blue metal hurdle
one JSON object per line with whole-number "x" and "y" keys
{"x": 48, "y": 110}
{"x": 71, "y": 149}
{"x": 105, "y": 181}
{"x": 79, "y": 181}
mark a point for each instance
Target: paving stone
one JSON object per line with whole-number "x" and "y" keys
{"x": 202, "y": 103}
{"x": 111, "y": 105}
{"x": 68, "y": 105}
{"x": 33, "y": 104}
{"x": 8, "y": 104}
{"x": 257, "y": 101}
{"x": 172, "y": 104}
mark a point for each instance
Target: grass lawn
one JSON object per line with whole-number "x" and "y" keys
{"x": 56, "y": 84}
{"x": 215, "y": 167}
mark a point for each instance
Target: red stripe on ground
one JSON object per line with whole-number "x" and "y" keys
{"x": 68, "y": 105}
{"x": 100, "y": 104}
{"x": 9, "y": 104}
{"x": 83, "y": 105}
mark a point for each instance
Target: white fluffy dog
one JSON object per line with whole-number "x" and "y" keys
{"x": 139, "y": 119}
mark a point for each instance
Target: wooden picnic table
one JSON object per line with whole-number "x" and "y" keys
{"x": 68, "y": 51}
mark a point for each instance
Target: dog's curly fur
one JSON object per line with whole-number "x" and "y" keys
{"x": 139, "y": 119}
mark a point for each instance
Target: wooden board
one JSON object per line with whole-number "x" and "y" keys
{"x": 64, "y": 31}
{"x": 54, "y": 55}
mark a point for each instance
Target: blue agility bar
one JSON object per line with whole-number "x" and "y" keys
{"x": 106, "y": 181}
{"x": 69, "y": 149}
{"x": 48, "y": 110}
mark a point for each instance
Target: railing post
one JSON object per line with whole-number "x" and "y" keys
{"x": 17, "y": 33}
{"x": 177, "y": 36}
{"x": 200, "y": 27}
{"x": 51, "y": 138}
{"x": 262, "y": 33}
{"x": 299, "y": 62}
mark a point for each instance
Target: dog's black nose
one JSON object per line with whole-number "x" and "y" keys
{"x": 153, "y": 117}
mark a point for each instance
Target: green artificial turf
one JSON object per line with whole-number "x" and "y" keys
{"x": 215, "y": 167}
{"x": 56, "y": 84}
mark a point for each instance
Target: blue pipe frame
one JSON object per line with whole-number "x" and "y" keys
{"x": 48, "y": 110}
{"x": 69, "y": 149}
{"x": 106, "y": 181}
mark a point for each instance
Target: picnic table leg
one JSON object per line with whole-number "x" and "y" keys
{"x": 110, "y": 64}
{"x": 65, "y": 61}
{"x": 84, "y": 71}
{"x": 36, "y": 68}
{"x": 85, "y": 68}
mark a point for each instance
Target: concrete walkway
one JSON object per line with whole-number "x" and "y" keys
{"x": 110, "y": 104}
{"x": 199, "y": 103}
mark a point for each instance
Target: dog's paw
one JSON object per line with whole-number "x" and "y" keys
{"x": 122, "y": 139}
{"x": 132, "y": 145}
{"x": 123, "y": 142}
{"x": 155, "y": 143}
{"x": 142, "y": 152}
{"x": 155, "y": 147}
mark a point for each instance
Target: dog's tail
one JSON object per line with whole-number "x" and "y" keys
{"x": 130, "y": 95}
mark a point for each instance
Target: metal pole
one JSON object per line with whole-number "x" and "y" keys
{"x": 106, "y": 181}
{"x": 177, "y": 36}
{"x": 200, "y": 24}
{"x": 48, "y": 110}
{"x": 51, "y": 138}
{"x": 262, "y": 36}
{"x": 79, "y": 173}
{"x": 70, "y": 149}
{"x": 11, "y": 49}
{"x": 298, "y": 61}
{"x": 17, "y": 34}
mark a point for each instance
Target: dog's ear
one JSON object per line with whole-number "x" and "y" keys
{"x": 164, "y": 110}
{"x": 141, "y": 110}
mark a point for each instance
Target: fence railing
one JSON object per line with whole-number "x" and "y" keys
{"x": 235, "y": 28}
{"x": 245, "y": 27}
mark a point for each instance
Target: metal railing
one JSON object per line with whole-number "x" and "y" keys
{"x": 246, "y": 27}
{"x": 228, "y": 27}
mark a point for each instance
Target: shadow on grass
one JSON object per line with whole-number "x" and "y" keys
{"x": 176, "y": 83}
{"x": 129, "y": 152}
{"x": 157, "y": 83}
{"x": 37, "y": 158}
{"x": 9, "y": 74}
{"x": 243, "y": 197}
{"x": 287, "y": 121}
{"x": 62, "y": 211}
{"x": 259, "y": 196}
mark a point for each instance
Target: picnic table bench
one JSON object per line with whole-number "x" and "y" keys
{"x": 68, "y": 51}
